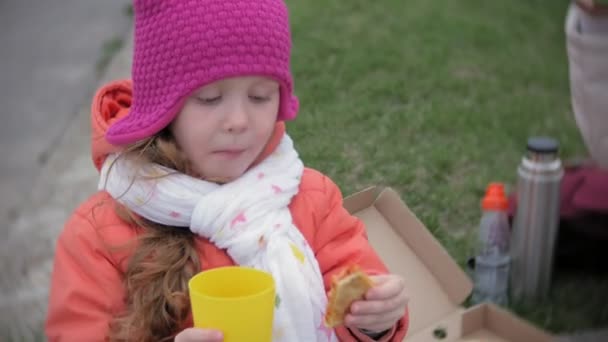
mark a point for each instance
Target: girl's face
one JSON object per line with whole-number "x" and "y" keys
{"x": 225, "y": 125}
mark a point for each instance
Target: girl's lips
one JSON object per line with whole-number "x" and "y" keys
{"x": 229, "y": 154}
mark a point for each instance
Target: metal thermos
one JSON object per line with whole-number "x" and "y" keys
{"x": 536, "y": 220}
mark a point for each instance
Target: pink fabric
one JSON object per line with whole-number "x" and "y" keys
{"x": 183, "y": 45}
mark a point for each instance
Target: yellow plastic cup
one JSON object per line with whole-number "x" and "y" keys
{"x": 238, "y": 301}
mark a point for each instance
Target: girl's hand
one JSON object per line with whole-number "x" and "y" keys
{"x": 199, "y": 335}
{"x": 382, "y": 307}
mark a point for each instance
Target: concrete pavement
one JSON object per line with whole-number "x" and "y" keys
{"x": 48, "y": 57}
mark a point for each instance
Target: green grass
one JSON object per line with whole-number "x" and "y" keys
{"x": 436, "y": 99}
{"x": 108, "y": 50}
{"x": 128, "y": 10}
{"x": 113, "y": 45}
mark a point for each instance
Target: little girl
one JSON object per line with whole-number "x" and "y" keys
{"x": 197, "y": 172}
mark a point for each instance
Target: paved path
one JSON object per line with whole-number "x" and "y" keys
{"x": 49, "y": 51}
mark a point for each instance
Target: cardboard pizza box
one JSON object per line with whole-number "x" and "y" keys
{"x": 437, "y": 285}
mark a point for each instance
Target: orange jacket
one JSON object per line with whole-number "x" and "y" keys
{"x": 87, "y": 288}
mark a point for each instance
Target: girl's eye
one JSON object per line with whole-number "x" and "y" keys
{"x": 259, "y": 99}
{"x": 209, "y": 100}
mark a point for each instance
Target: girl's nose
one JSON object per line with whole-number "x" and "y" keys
{"x": 237, "y": 119}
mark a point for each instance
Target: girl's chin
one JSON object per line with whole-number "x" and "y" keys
{"x": 225, "y": 177}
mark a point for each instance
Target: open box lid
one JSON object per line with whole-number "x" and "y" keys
{"x": 489, "y": 322}
{"x": 437, "y": 285}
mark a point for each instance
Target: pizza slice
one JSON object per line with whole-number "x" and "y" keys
{"x": 348, "y": 286}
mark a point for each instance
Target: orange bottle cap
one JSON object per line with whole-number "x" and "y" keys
{"x": 495, "y": 198}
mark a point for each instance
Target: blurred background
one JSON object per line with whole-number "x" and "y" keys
{"x": 52, "y": 55}
{"x": 433, "y": 98}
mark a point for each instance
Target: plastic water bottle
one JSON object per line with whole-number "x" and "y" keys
{"x": 492, "y": 260}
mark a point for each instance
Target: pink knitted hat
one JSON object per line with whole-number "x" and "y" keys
{"x": 182, "y": 45}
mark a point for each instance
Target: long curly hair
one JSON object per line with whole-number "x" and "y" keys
{"x": 165, "y": 258}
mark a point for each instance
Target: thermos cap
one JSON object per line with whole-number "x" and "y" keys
{"x": 543, "y": 145}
